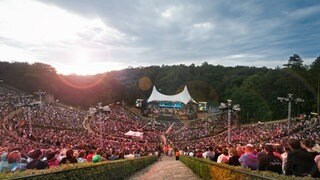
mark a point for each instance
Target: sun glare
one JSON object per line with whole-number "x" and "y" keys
{"x": 72, "y": 42}
{"x": 87, "y": 68}
{"x": 80, "y": 64}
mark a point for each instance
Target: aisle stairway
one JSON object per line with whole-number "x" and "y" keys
{"x": 167, "y": 169}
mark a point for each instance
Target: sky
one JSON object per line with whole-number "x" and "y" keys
{"x": 89, "y": 37}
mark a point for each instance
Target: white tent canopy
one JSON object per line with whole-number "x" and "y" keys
{"x": 134, "y": 133}
{"x": 183, "y": 97}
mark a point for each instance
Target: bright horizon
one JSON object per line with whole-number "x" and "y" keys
{"x": 93, "y": 37}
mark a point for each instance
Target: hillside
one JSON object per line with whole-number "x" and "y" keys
{"x": 255, "y": 89}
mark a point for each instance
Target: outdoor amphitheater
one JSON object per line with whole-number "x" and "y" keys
{"x": 160, "y": 89}
{"x": 49, "y": 140}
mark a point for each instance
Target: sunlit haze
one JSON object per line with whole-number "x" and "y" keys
{"x": 52, "y": 35}
{"x": 90, "y": 37}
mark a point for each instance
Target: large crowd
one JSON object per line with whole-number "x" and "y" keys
{"x": 56, "y": 131}
{"x": 272, "y": 140}
{"x": 199, "y": 129}
{"x": 59, "y": 135}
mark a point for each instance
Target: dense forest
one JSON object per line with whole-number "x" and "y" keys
{"x": 255, "y": 89}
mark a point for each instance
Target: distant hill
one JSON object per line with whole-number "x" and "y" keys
{"x": 255, "y": 89}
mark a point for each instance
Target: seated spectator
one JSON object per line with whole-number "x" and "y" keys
{"x": 262, "y": 152}
{"x": 308, "y": 145}
{"x": 62, "y": 154}
{"x": 210, "y": 154}
{"x": 36, "y": 163}
{"x": 249, "y": 159}
{"x": 224, "y": 157}
{"x": 51, "y": 158}
{"x": 191, "y": 154}
{"x": 240, "y": 150}
{"x": 90, "y": 155}
{"x": 316, "y": 171}
{"x": 317, "y": 160}
{"x": 137, "y": 153}
{"x": 14, "y": 159}
{"x": 114, "y": 155}
{"x": 130, "y": 155}
{"x": 278, "y": 150}
{"x": 69, "y": 159}
{"x": 82, "y": 157}
{"x": 217, "y": 153}
{"x": 270, "y": 162}
{"x": 316, "y": 148}
{"x": 4, "y": 165}
{"x": 284, "y": 157}
{"x": 96, "y": 158}
{"x": 299, "y": 161}
{"x": 234, "y": 157}
{"x": 199, "y": 153}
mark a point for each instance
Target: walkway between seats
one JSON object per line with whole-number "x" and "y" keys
{"x": 167, "y": 169}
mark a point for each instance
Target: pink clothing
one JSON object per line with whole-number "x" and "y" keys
{"x": 223, "y": 159}
{"x": 53, "y": 162}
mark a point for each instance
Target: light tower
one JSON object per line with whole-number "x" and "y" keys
{"x": 289, "y": 99}
{"x": 100, "y": 110}
{"x": 26, "y": 102}
{"x": 40, "y": 93}
{"x": 228, "y": 106}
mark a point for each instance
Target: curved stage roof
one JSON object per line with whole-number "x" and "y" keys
{"x": 183, "y": 97}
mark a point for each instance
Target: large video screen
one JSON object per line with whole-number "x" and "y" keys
{"x": 177, "y": 105}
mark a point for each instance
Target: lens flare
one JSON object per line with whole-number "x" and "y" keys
{"x": 144, "y": 83}
{"x": 92, "y": 84}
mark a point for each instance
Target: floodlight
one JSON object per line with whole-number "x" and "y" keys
{"x": 236, "y": 107}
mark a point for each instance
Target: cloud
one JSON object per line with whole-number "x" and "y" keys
{"x": 41, "y": 32}
{"x": 239, "y": 56}
{"x": 143, "y": 33}
{"x": 14, "y": 54}
{"x": 304, "y": 12}
{"x": 167, "y": 13}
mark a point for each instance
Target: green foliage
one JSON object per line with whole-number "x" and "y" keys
{"x": 248, "y": 86}
{"x": 201, "y": 91}
{"x": 253, "y": 106}
{"x": 207, "y": 169}
{"x": 203, "y": 170}
{"x": 119, "y": 169}
{"x": 295, "y": 61}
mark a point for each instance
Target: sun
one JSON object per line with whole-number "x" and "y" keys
{"x": 81, "y": 62}
{"x": 84, "y": 61}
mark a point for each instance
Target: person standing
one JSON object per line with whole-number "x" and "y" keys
{"x": 177, "y": 153}
{"x": 159, "y": 150}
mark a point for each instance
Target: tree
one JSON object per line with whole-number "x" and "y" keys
{"x": 253, "y": 107}
{"x": 294, "y": 61}
{"x": 255, "y": 89}
{"x": 314, "y": 78}
{"x": 201, "y": 91}
{"x": 315, "y": 66}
